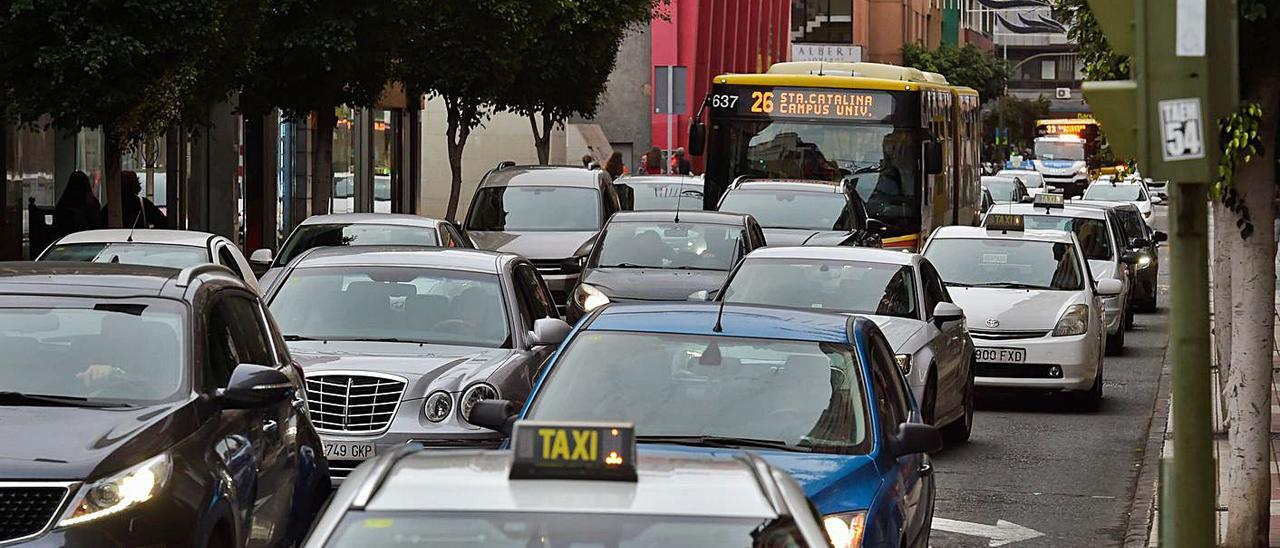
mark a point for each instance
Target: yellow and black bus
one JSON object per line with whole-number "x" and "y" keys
{"x": 907, "y": 140}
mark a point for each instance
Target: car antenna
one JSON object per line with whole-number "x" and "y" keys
{"x": 719, "y": 314}
{"x": 679, "y": 197}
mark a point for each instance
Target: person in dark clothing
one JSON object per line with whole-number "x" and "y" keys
{"x": 614, "y": 166}
{"x": 78, "y": 208}
{"x": 136, "y": 211}
{"x": 680, "y": 164}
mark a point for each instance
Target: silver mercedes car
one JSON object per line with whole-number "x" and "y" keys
{"x": 398, "y": 343}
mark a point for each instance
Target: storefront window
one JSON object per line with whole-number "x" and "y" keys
{"x": 344, "y": 161}
{"x": 31, "y": 167}
{"x": 384, "y": 143}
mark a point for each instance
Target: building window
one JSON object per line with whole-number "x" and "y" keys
{"x": 1049, "y": 69}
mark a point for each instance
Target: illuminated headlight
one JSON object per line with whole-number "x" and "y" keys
{"x": 1144, "y": 261}
{"x": 1075, "y": 321}
{"x": 437, "y": 406}
{"x": 904, "y": 363}
{"x": 845, "y": 530}
{"x": 589, "y": 298}
{"x": 115, "y": 494}
{"x": 474, "y": 394}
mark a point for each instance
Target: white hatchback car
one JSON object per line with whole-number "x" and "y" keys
{"x": 151, "y": 247}
{"x": 1132, "y": 191}
{"x": 1033, "y": 312}
{"x": 901, "y": 292}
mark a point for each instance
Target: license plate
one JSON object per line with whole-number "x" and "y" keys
{"x": 348, "y": 450}
{"x": 1002, "y": 355}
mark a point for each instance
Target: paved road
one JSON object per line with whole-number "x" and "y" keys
{"x": 1067, "y": 474}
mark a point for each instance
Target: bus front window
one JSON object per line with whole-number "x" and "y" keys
{"x": 879, "y": 160}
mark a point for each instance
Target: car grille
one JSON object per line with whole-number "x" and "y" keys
{"x": 342, "y": 468}
{"x": 548, "y": 266}
{"x": 27, "y": 510}
{"x": 353, "y": 403}
{"x": 1015, "y": 370}
{"x": 1006, "y": 335}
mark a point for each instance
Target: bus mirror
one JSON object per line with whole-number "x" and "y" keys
{"x": 932, "y": 158}
{"x": 697, "y": 137}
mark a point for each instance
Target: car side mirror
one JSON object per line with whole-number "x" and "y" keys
{"x": 913, "y": 438}
{"x": 548, "y": 332}
{"x": 1159, "y": 236}
{"x": 262, "y": 257}
{"x": 1028, "y": 199}
{"x": 876, "y": 226}
{"x": 496, "y": 415}
{"x": 932, "y": 157}
{"x": 945, "y": 312}
{"x": 1129, "y": 257}
{"x": 699, "y": 296}
{"x": 1109, "y": 287}
{"x": 697, "y": 137}
{"x": 1141, "y": 242}
{"x": 253, "y": 386}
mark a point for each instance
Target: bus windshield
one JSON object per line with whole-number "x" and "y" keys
{"x": 1060, "y": 150}
{"x": 879, "y": 160}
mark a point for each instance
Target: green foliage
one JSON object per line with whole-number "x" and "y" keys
{"x": 1241, "y": 141}
{"x": 1019, "y": 115}
{"x": 1097, "y": 60}
{"x": 963, "y": 66}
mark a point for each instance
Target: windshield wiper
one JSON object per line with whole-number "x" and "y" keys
{"x": 52, "y": 400}
{"x": 293, "y": 338}
{"x": 723, "y": 441}
{"x": 383, "y": 339}
{"x": 688, "y": 267}
{"x": 627, "y": 265}
{"x": 1012, "y": 285}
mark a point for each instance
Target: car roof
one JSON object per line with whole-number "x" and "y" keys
{"x": 982, "y": 233}
{"x": 1104, "y": 205}
{"x": 695, "y": 180}
{"x": 867, "y": 254}
{"x": 372, "y": 219}
{"x": 1016, "y": 172}
{"x": 686, "y": 216}
{"x": 563, "y": 176}
{"x": 1069, "y": 210}
{"x": 83, "y": 279}
{"x": 419, "y": 257}
{"x": 141, "y": 236}
{"x": 1113, "y": 182}
{"x": 737, "y": 320}
{"x": 1000, "y": 178}
{"x": 782, "y": 184}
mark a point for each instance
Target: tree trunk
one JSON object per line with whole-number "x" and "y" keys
{"x": 1253, "y": 280}
{"x": 111, "y": 171}
{"x": 322, "y": 162}
{"x": 457, "y": 132}
{"x": 1224, "y": 239}
{"x": 541, "y": 137}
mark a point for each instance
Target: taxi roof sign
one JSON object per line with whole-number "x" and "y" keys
{"x": 1004, "y": 221}
{"x": 573, "y": 450}
{"x": 1048, "y": 199}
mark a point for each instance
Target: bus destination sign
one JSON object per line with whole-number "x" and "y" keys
{"x": 827, "y": 104}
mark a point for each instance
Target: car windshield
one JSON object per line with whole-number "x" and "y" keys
{"x": 165, "y": 255}
{"x": 1115, "y": 193}
{"x": 672, "y": 195}
{"x": 399, "y": 304}
{"x": 690, "y": 246}
{"x": 805, "y": 396}
{"x": 347, "y": 234}
{"x": 1092, "y": 233}
{"x": 117, "y": 351}
{"x": 593, "y": 530}
{"x": 535, "y": 208}
{"x": 1030, "y": 179}
{"x": 1002, "y": 189}
{"x": 1019, "y": 264}
{"x": 841, "y": 286}
{"x": 1060, "y": 150}
{"x": 790, "y": 208}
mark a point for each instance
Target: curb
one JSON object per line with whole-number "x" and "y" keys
{"x": 1137, "y": 531}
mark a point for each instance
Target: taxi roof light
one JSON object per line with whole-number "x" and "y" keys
{"x": 1005, "y": 222}
{"x": 573, "y": 450}
{"x": 1049, "y": 200}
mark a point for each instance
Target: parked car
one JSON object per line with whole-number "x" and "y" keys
{"x": 359, "y": 229}
{"x": 148, "y": 406}
{"x": 398, "y": 343}
{"x": 804, "y": 212}
{"x": 646, "y": 256}
{"x": 548, "y": 214}
{"x": 152, "y": 247}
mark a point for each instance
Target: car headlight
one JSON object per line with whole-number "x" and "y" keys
{"x": 438, "y": 406}
{"x": 589, "y": 298}
{"x": 1144, "y": 261}
{"x": 845, "y": 530}
{"x": 124, "y": 490}
{"x": 475, "y": 393}
{"x": 904, "y": 363}
{"x": 1075, "y": 321}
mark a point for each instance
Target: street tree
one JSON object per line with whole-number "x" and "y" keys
{"x": 567, "y": 63}
{"x": 1019, "y": 116}
{"x": 132, "y": 69}
{"x": 963, "y": 66}
{"x": 466, "y": 54}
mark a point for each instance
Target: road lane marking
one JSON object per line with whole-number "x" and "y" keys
{"x": 1000, "y": 534}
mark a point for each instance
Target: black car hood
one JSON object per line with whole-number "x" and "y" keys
{"x": 426, "y": 368}
{"x": 77, "y": 443}
{"x": 778, "y": 237}
{"x": 534, "y": 245}
{"x": 653, "y": 284}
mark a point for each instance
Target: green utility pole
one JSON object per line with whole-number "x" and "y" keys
{"x": 1183, "y": 64}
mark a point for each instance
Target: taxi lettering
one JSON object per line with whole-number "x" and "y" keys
{"x": 569, "y": 444}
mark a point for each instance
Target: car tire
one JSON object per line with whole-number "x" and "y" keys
{"x": 1149, "y": 305}
{"x": 1091, "y": 400}
{"x": 960, "y": 429}
{"x": 929, "y": 403}
{"x": 1115, "y": 343}
{"x": 1129, "y": 318}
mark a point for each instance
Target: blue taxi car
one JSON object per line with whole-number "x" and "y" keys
{"x": 817, "y": 395}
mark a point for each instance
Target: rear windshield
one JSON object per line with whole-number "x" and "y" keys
{"x": 1092, "y": 233}
{"x": 650, "y": 196}
{"x": 1115, "y": 193}
{"x": 165, "y": 255}
{"x": 337, "y": 235}
{"x": 791, "y": 209}
{"x": 535, "y": 208}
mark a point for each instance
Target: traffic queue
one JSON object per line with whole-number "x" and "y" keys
{"x": 393, "y": 377}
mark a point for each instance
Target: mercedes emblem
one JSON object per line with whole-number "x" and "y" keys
{"x": 992, "y": 322}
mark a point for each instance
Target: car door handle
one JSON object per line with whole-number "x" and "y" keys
{"x": 269, "y": 425}
{"x": 925, "y": 470}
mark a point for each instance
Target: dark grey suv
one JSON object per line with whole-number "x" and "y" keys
{"x": 398, "y": 343}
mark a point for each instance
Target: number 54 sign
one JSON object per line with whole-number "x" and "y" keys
{"x": 1181, "y": 129}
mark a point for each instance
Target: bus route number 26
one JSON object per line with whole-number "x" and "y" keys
{"x": 762, "y": 101}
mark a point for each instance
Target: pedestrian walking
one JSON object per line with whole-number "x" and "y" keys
{"x": 78, "y": 208}
{"x": 653, "y": 162}
{"x": 614, "y": 166}
{"x": 136, "y": 211}
{"x": 680, "y": 164}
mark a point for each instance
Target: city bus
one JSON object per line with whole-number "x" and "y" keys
{"x": 906, "y": 140}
